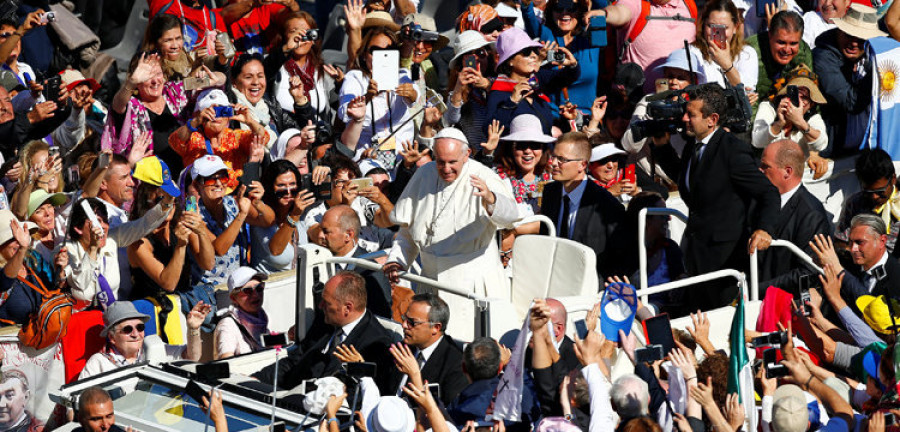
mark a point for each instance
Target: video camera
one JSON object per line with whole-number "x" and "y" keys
{"x": 414, "y": 32}
{"x": 666, "y": 110}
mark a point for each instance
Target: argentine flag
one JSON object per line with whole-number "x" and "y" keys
{"x": 884, "y": 122}
{"x": 740, "y": 374}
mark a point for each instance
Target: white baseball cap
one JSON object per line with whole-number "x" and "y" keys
{"x": 242, "y": 275}
{"x": 207, "y": 166}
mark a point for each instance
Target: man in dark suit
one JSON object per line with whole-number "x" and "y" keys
{"x": 344, "y": 307}
{"x": 719, "y": 181}
{"x": 435, "y": 357}
{"x": 580, "y": 209}
{"x": 802, "y": 216}
{"x": 340, "y": 234}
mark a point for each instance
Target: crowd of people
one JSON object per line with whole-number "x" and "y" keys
{"x": 234, "y": 139}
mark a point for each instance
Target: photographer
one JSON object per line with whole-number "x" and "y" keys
{"x": 678, "y": 76}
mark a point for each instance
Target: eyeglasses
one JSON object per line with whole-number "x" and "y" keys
{"x": 211, "y": 180}
{"x": 562, "y": 160}
{"x": 5, "y": 35}
{"x": 525, "y": 145}
{"x": 281, "y": 193}
{"x": 249, "y": 290}
{"x": 128, "y": 329}
{"x": 411, "y": 322}
{"x": 527, "y": 52}
{"x": 882, "y": 192}
{"x": 374, "y": 48}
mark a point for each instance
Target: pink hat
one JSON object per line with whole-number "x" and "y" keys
{"x": 512, "y": 41}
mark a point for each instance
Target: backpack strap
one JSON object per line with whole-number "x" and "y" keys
{"x": 42, "y": 289}
{"x": 254, "y": 344}
{"x": 645, "y": 16}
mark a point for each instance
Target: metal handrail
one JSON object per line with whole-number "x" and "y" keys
{"x": 642, "y": 228}
{"x": 754, "y": 264}
{"x": 369, "y": 265}
{"x": 706, "y": 277}
{"x": 551, "y": 229}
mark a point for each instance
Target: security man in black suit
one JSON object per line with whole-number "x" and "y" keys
{"x": 802, "y": 216}
{"x": 432, "y": 355}
{"x": 719, "y": 181}
{"x": 580, "y": 209}
{"x": 344, "y": 307}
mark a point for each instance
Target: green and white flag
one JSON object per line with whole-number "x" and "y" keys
{"x": 740, "y": 374}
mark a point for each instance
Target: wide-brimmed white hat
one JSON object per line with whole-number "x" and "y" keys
{"x": 391, "y": 414}
{"x": 860, "y": 21}
{"x": 6, "y": 218}
{"x": 465, "y": 42}
{"x": 527, "y": 128}
{"x": 604, "y": 151}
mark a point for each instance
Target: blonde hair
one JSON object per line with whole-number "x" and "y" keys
{"x": 25, "y": 156}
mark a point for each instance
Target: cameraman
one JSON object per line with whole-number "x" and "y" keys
{"x": 647, "y": 158}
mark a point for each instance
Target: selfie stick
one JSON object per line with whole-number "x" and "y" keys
{"x": 687, "y": 55}
{"x": 275, "y": 388}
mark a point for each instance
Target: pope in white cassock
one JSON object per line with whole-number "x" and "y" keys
{"x": 448, "y": 215}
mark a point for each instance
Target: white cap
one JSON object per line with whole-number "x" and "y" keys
{"x": 242, "y": 275}
{"x": 453, "y": 133}
{"x": 207, "y": 166}
{"x": 210, "y": 98}
{"x": 604, "y": 151}
{"x": 506, "y": 11}
{"x": 367, "y": 165}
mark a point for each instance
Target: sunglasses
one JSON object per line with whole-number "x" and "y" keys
{"x": 5, "y": 35}
{"x": 249, "y": 290}
{"x": 128, "y": 329}
{"x": 281, "y": 193}
{"x": 882, "y": 192}
{"x": 527, "y": 52}
{"x": 480, "y": 53}
{"x": 374, "y": 48}
{"x": 211, "y": 180}
{"x": 411, "y": 322}
{"x": 524, "y": 145}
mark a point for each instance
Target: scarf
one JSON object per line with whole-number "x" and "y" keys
{"x": 890, "y": 209}
{"x": 260, "y": 112}
{"x": 256, "y": 325}
{"x": 505, "y": 84}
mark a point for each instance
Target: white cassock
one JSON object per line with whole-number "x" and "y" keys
{"x": 450, "y": 229}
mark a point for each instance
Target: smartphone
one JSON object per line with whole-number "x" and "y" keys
{"x": 86, "y": 206}
{"x": 770, "y": 339}
{"x": 806, "y": 282}
{"x": 103, "y": 160}
{"x": 213, "y": 371}
{"x": 210, "y": 41}
{"x": 191, "y": 204}
{"x": 630, "y": 174}
{"x": 359, "y": 370}
{"x": 229, "y": 46}
{"x": 717, "y": 34}
{"x": 28, "y": 77}
{"x": 773, "y": 368}
{"x": 434, "y": 99}
{"x": 224, "y": 111}
{"x": 51, "y": 88}
{"x": 648, "y": 354}
{"x": 196, "y": 392}
{"x": 362, "y": 183}
{"x": 435, "y": 390}
{"x": 74, "y": 176}
{"x": 889, "y": 418}
{"x": 48, "y": 17}
{"x": 794, "y": 94}
{"x": 658, "y": 330}
{"x": 470, "y": 61}
{"x": 761, "y": 6}
{"x": 54, "y": 151}
{"x": 386, "y": 69}
{"x": 597, "y": 28}
{"x": 275, "y": 340}
{"x": 196, "y": 83}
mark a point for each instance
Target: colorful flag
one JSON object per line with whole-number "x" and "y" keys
{"x": 884, "y": 121}
{"x": 740, "y": 374}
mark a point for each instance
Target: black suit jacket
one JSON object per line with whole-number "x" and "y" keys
{"x": 378, "y": 288}
{"x": 443, "y": 367}
{"x": 598, "y": 216}
{"x": 370, "y": 339}
{"x": 854, "y": 286}
{"x": 801, "y": 218}
{"x": 722, "y": 187}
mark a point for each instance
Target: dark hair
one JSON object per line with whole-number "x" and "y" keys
{"x": 76, "y": 220}
{"x": 641, "y": 424}
{"x": 360, "y": 61}
{"x": 315, "y": 54}
{"x": 271, "y": 173}
{"x": 92, "y": 396}
{"x": 351, "y": 286}
{"x": 550, "y": 20}
{"x": 715, "y": 366}
{"x": 786, "y": 20}
{"x": 8, "y": 22}
{"x": 506, "y": 158}
{"x": 376, "y": 171}
{"x": 737, "y": 39}
{"x": 482, "y": 359}
{"x": 142, "y": 202}
{"x": 713, "y": 98}
{"x": 873, "y": 165}
{"x": 243, "y": 60}
{"x": 160, "y": 24}
{"x": 438, "y": 312}
{"x": 338, "y": 162}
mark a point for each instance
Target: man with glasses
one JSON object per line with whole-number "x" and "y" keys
{"x": 123, "y": 328}
{"x": 877, "y": 179}
{"x": 430, "y": 354}
{"x": 580, "y": 209}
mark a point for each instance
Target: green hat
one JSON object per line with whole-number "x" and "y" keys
{"x": 40, "y": 196}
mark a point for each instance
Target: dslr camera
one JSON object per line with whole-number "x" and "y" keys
{"x": 311, "y": 35}
{"x": 414, "y": 32}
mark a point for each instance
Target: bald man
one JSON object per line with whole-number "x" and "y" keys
{"x": 802, "y": 216}
{"x": 448, "y": 216}
{"x": 339, "y": 233}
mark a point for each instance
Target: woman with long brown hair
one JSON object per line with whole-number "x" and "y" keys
{"x": 724, "y": 57}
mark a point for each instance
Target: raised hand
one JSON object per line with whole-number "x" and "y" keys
{"x": 411, "y": 153}
{"x": 593, "y": 316}
{"x": 734, "y": 411}
{"x": 355, "y": 13}
{"x": 356, "y": 108}
{"x": 145, "y": 69}
{"x": 823, "y": 247}
{"x": 197, "y": 315}
{"x": 481, "y": 190}
{"x": 598, "y": 108}
{"x": 140, "y": 148}
{"x": 257, "y": 148}
{"x": 495, "y": 130}
{"x": 335, "y": 72}
{"x": 20, "y": 234}
{"x": 405, "y": 361}
{"x": 297, "y": 91}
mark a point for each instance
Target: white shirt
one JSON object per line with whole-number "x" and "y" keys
{"x": 813, "y": 26}
{"x": 387, "y": 110}
{"x": 703, "y": 143}
{"x": 785, "y": 197}
{"x": 116, "y": 217}
{"x": 762, "y": 134}
{"x": 869, "y": 279}
{"x": 574, "y": 203}
{"x": 746, "y": 63}
{"x": 427, "y": 352}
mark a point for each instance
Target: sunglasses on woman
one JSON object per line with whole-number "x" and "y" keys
{"x": 128, "y": 329}
{"x": 281, "y": 193}
{"x": 249, "y": 290}
{"x": 211, "y": 180}
{"x": 525, "y": 145}
{"x": 527, "y": 52}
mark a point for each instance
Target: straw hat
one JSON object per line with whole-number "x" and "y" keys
{"x": 860, "y": 21}
{"x": 380, "y": 19}
{"x": 801, "y": 76}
